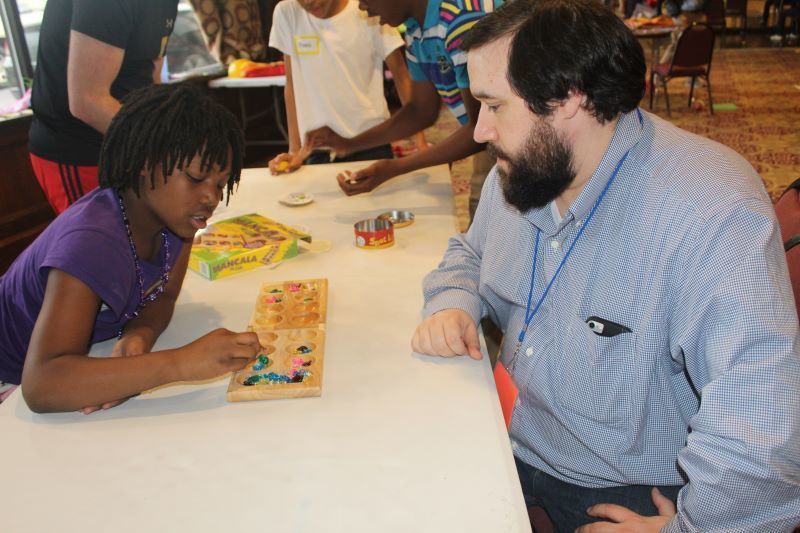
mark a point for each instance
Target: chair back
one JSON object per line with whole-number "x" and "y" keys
{"x": 715, "y": 13}
{"x": 793, "y": 262}
{"x": 695, "y": 48}
{"x": 787, "y": 209}
{"x": 736, "y": 7}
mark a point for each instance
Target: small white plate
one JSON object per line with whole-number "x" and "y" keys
{"x": 297, "y": 198}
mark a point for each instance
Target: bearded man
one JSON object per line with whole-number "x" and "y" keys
{"x": 650, "y": 368}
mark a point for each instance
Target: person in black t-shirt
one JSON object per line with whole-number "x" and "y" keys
{"x": 91, "y": 54}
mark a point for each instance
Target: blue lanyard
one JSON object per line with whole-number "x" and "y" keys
{"x": 530, "y": 314}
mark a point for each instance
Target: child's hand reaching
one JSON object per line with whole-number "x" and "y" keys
{"x": 367, "y": 178}
{"x": 325, "y": 137}
{"x": 216, "y": 353}
{"x": 285, "y": 163}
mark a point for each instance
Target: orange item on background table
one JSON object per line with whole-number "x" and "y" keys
{"x": 642, "y": 22}
{"x": 245, "y": 68}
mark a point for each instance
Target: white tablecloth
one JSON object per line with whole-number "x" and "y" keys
{"x": 397, "y": 441}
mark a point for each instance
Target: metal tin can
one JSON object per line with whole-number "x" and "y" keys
{"x": 399, "y": 218}
{"x": 374, "y": 233}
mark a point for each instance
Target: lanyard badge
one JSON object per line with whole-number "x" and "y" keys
{"x": 507, "y": 390}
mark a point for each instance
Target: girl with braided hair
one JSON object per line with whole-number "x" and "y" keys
{"x": 113, "y": 263}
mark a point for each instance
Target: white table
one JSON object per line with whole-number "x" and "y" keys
{"x": 275, "y": 83}
{"x": 397, "y": 441}
{"x": 243, "y": 83}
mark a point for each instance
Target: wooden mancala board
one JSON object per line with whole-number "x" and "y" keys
{"x": 289, "y": 318}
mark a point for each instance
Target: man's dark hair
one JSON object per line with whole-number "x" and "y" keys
{"x": 560, "y": 46}
{"x": 167, "y": 126}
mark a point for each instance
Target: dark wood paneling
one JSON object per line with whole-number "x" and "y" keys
{"x": 24, "y": 210}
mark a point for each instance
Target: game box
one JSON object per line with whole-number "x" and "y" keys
{"x": 242, "y": 243}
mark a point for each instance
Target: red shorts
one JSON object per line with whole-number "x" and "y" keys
{"x": 63, "y": 183}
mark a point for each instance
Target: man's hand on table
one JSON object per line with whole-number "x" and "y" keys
{"x": 623, "y": 520}
{"x": 368, "y": 178}
{"x": 448, "y": 333}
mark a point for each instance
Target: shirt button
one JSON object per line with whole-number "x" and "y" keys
{"x": 529, "y": 351}
{"x": 554, "y": 244}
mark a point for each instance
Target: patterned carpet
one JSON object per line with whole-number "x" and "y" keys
{"x": 762, "y": 124}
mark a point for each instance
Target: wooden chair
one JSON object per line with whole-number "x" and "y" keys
{"x": 692, "y": 59}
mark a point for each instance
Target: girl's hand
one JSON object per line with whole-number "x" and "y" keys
{"x": 285, "y": 163}
{"x": 130, "y": 345}
{"x": 216, "y": 353}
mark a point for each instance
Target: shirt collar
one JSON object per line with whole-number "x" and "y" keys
{"x": 626, "y": 135}
{"x": 431, "y": 17}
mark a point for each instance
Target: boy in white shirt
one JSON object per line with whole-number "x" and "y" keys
{"x": 334, "y": 55}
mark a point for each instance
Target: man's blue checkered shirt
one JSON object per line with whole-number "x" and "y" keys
{"x": 685, "y": 251}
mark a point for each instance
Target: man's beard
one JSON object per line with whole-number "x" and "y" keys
{"x": 540, "y": 172}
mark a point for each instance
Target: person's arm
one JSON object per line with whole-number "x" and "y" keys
{"x": 141, "y": 333}
{"x": 734, "y": 333}
{"x": 59, "y": 376}
{"x": 291, "y": 108}
{"x": 735, "y": 327}
{"x": 158, "y": 65}
{"x": 292, "y": 160}
{"x": 396, "y": 62}
{"x": 457, "y": 146}
{"x": 92, "y": 67}
{"x": 453, "y": 304}
{"x": 417, "y": 114}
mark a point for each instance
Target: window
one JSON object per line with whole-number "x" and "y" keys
{"x": 187, "y": 54}
{"x": 15, "y": 66}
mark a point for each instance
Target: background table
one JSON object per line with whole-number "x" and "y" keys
{"x": 275, "y": 85}
{"x": 397, "y": 441}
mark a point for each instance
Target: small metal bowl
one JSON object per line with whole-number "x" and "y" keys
{"x": 399, "y": 218}
{"x": 374, "y": 233}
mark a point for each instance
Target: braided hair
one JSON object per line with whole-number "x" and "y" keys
{"x": 167, "y": 126}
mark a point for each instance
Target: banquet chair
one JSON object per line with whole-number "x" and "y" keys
{"x": 787, "y": 209}
{"x": 788, "y": 9}
{"x": 736, "y": 10}
{"x": 792, "y": 247}
{"x": 692, "y": 59}
{"x": 715, "y": 17}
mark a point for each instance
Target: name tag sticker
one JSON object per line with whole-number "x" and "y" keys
{"x": 306, "y": 44}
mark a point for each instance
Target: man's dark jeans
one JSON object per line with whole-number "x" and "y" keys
{"x": 566, "y": 504}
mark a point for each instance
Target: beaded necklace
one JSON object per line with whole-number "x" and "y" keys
{"x": 165, "y": 268}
